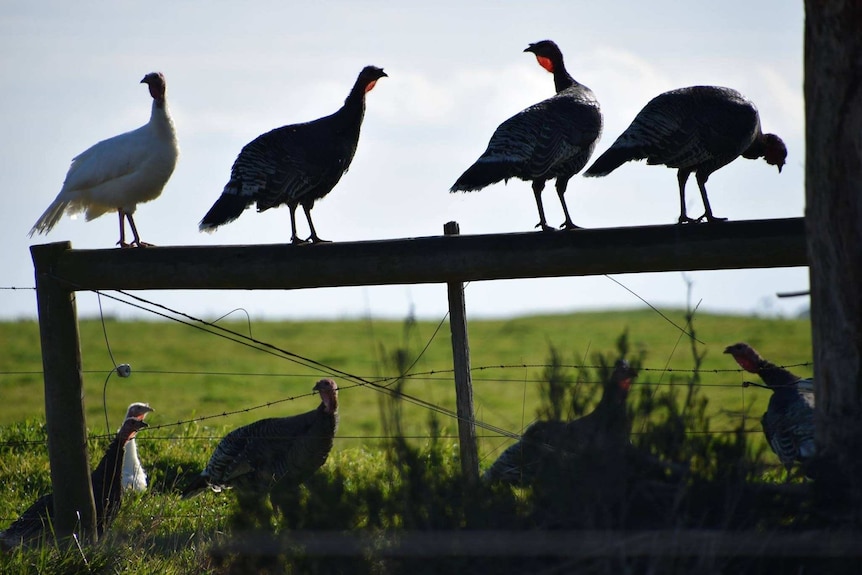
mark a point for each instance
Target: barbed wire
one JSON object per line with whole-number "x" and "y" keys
{"x": 432, "y": 372}
{"x": 272, "y": 349}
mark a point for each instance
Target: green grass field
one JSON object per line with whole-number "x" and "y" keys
{"x": 187, "y": 374}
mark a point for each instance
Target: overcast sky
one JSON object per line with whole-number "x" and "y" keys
{"x": 456, "y": 70}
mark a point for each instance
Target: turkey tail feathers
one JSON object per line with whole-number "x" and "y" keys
{"x": 612, "y": 159}
{"x": 198, "y": 485}
{"x": 480, "y": 175}
{"x": 50, "y": 218}
{"x": 226, "y": 209}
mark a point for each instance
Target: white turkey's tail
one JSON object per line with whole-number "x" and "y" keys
{"x": 50, "y": 218}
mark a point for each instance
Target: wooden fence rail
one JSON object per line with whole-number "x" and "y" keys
{"x": 440, "y": 259}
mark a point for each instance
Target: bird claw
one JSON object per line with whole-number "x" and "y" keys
{"x": 570, "y": 226}
{"x": 137, "y": 244}
{"x": 705, "y": 217}
{"x": 545, "y": 227}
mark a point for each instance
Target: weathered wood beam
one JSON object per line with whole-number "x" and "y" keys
{"x": 441, "y": 259}
{"x": 64, "y": 398}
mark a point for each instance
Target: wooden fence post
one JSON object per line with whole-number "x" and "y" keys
{"x": 463, "y": 378}
{"x": 64, "y": 398}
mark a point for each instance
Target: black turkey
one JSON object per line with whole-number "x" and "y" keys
{"x": 696, "y": 129}
{"x": 606, "y": 428}
{"x": 295, "y": 165}
{"x": 551, "y": 139}
{"x": 789, "y": 419}
{"x": 34, "y": 525}
{"x": 281, "y": 449}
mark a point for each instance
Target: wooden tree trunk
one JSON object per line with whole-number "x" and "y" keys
{"x": 833, "y": 184}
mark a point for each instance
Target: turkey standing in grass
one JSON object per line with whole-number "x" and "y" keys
{"x": 121, "y": 172}
{"x": 134, "y": 476}
{"x": 696, "y": 129}
{"x": 789, "y": 419}
{"x": 551, "y": 139}
{"x": 34, "y": 524}
{"x": 295, "y": 165}
{"x": 605, "y": 429}
{"x": 282, "y": 449}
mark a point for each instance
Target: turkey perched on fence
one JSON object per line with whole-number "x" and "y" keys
{"x": 295, "y": 165}
{"x": 696, "y": 129}
{"x": 551, "y": 139}
{"x": 134, "y": 476}
{"x": 121, "y": 172}
{"x": 34, "y": 524}
{"x": 789, "y": 419}
{"x": 605, "y": 429}
{"x": 282, "y": 449}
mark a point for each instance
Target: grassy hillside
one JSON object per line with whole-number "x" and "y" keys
{"x": 186, "y": 373}
{"x": 370, "y": 483}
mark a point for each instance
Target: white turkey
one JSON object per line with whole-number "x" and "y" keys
{"x": 134, "y": 476}
{"x": 34, "y": 525}
{"x": 788, "y": 422}
{"x": 121, "y": 172}
{"x": 696, "y": 129}
{"x": 549, "y": 140}
{"x": 295, "y": 165}
{"x": 283, "y": 450}
{"x": 605, "y": 430}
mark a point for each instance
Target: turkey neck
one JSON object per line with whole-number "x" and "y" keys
{"x": 775, "y": 377}
{"x": 131, "y": 450}
{"x": 160, "y": 117}
{"x": 353, "y": 110}
{"x": 612, "y": 405}
{"x": 757, "y": 149}
{"x": 106, "y": 477}
{"x": 562, "y": 79}
{"x": 329, "y": 402}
